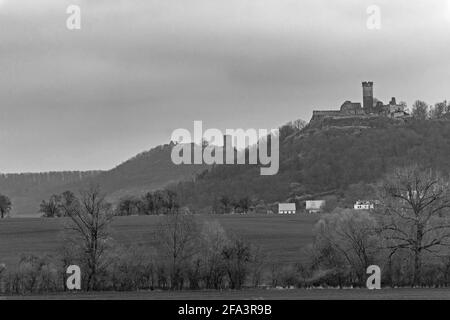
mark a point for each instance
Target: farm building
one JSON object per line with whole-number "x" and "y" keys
{"x": 315, "y": 206}
{"x": 287, "y": 208}
{"x": 365, "y": 204}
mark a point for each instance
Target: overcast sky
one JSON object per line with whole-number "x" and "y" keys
{"x": 138, "y": 69}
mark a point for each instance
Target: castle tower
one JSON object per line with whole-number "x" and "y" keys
{"x": 367, "y": 97}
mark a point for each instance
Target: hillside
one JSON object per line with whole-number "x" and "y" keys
{"x": 333, "y": 155}
{"x": 147, "y": 171}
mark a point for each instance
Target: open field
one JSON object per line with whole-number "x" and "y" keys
{"x": 281, "y": 237}
{"x": 259, "y": 294}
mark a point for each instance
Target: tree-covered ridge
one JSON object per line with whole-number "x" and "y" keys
{"x": 149, "y": 170}
{"x": 330, "y": 156}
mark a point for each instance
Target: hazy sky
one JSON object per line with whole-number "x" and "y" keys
{"x": 138, "y": 69}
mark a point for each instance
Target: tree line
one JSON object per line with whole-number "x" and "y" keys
{"x": 421, "y": 110}
{"x": 188, "y": 253}
{"x": 151, "y": 203}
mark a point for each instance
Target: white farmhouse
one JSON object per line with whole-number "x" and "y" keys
{"x": 315, "y": 206}
{"x": 364, "y": 205}
{"x": 286, "y": 208}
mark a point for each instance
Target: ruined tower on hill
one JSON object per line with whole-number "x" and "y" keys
{"x": 368, "y": 109}
{"x": 367, "y": 97}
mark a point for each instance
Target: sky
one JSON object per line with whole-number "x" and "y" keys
{"x": 139, "y": 69}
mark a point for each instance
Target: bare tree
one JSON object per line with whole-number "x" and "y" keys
{"x": 90, "y": 220}
{"x": 51, "y": 208}
{"x": 237, "y": 256}
{"x": 350, "y": 236}
{"x": 2, "y": 273}
{"x": 128, "y": 206}
{"x": 177, "y": 236}
{"x": 415, "y": 203}
{"x": 68, "y": 202}
{"x": 299, "y": 124}
{"x": 438, "y": 110}
{"x": 5, "y": 205}
{"x": 213, "y": 241}
{"x": 420, "y": 110}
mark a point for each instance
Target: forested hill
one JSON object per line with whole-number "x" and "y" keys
{"x": 147, "y": 171}
{"x": 328, "y": 156}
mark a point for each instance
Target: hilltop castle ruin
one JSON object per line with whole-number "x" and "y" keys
{"x": 370, "y": 107}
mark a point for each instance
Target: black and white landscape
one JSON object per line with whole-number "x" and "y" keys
{"x": 224, "y": 149}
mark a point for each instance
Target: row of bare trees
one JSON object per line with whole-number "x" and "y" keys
{"x": 57, "y": 205}
{"x": 151, "y": 203}
{"x": 421, "y": 110}
{"x": 408, "y": 235}
{"x": 188, "y": 252}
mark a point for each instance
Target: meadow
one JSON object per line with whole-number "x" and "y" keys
{"x": 280, "y": 236}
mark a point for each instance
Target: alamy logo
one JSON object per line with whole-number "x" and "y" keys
{"x": 73, "y": 22}
{"x": 74, "y": 280}
{"x": 235, "y": 147}
{"x": 374, "y": 19}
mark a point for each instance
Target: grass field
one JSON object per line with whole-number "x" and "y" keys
{"x": 258, "y": 294}
{"x": 281, "y": 237}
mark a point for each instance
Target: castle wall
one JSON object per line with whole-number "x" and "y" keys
{"x": 326, "y": 113}
{"x": 350, "y": 108}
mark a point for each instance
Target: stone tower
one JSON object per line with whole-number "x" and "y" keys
{"x": 367, "y": 97}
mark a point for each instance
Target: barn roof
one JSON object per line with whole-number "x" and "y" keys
{"x": 314, "y": 204}
{"x": 286, "y": 206}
